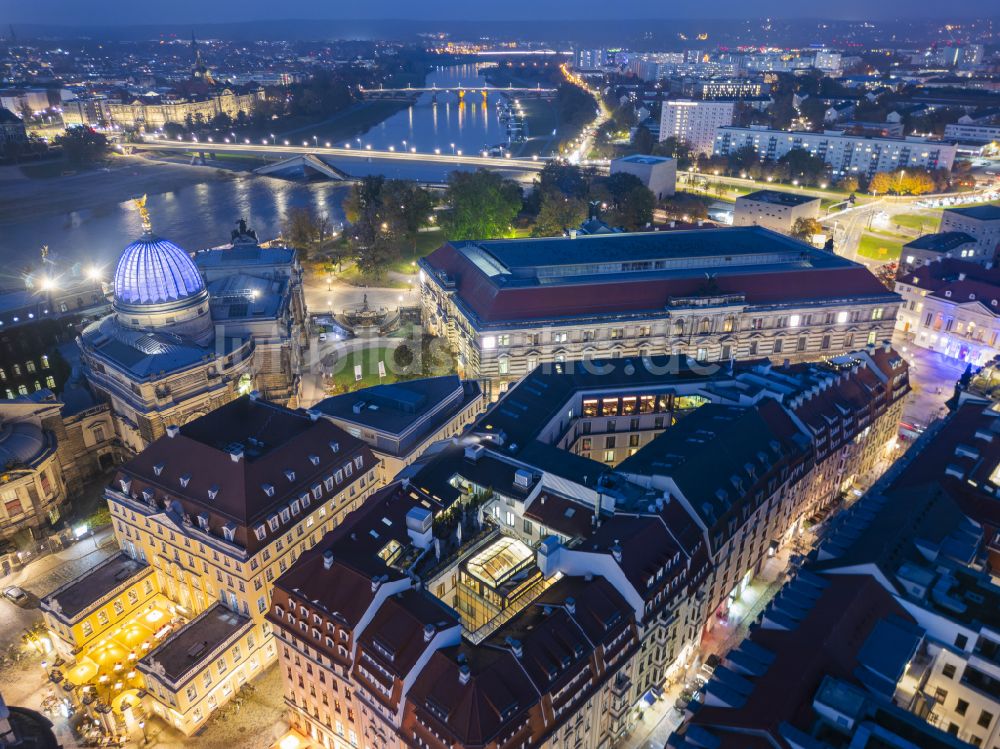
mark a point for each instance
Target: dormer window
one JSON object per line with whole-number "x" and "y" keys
{"x": 285, "y": 515}
{"x": 260, "y": 532}
{"x": 339, "y": 477}
{"x": 213, "y": 491}
{"x": 203, "y": 521}
{"x": 290, "y": 475}
{"x": 272, "y": 522}
{"x": 229, "y": 531}
{"x": 126, "y": 484}
{"x": 295, "y": 507}
{"x": 185, "y": 480}
{"x": 348, "y": 469}
{"x": 304, "y": 499}
{"x": 317, "y": 491}
{"x": 268, "y": 489}
{"x": 335, "y": 447}
{"x": 328, "y": 483}
{"x": 158, "y": 469}
{"x": 147, "y": 494}
{"x": 358, "y": 462}
{"x": 314, "y": 459}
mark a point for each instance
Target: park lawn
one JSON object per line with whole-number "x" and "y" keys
{"x": 879, "y": 248}
{"x": 351, "y": 275}
{"x": 920, "y": 222}
{"x": 368, "y": 358}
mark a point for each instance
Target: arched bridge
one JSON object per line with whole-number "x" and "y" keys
{"x": 459, "y": 92}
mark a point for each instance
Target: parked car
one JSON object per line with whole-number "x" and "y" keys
{"x": 16, "y": 595}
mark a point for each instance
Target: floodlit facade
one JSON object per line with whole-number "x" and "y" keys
{"x": 952, "y": 306}
{"x": 207, "y": 517}
{"x": 507, "y": 591}
{"x": 187, "y": 335}
{"x": 508, "y": 306}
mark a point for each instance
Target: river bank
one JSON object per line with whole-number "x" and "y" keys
{"x": 124, "y": 178}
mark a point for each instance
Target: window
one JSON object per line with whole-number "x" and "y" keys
{"x": 985, "y": 718}
{"x": 871, "y": 338}
{"x": 503, "y": 363}
{"x": 609, "y": 456}
{"x": 948, "y": 671}
{"x": 45, "y": 361}
{"x": 825, "y": 344}
{"x": 102, "y": 618}
{"x": 961, "y": 707}
{"x": 777, "y": 345}
{"x": 794, "y": 321}
{"x": 192, "y": 693}
{"x": 489, "y": 342}
{"x": 503, "y": 340}
{"x": 753, "y": 348}
{"x": 527, "y": 527}
{"x": 961, "y": 641}
{"x": 119, "y": 608}
{"x": 877, "y": 313}
{"x": 88, "y": 629}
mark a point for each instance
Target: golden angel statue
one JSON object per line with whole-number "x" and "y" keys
{"x": 140, "y": 204}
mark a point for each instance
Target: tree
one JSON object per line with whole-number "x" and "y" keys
{"x": 880, "y": 183}
{"x": 643, "y": 140}
{"x": 406, "y": 206}
{"x": 849, "y": 184}
{"x": 483, "y": 205}
{"x": 806, "y": 228}
{"x": 382, "y": 211}
{"x": 557, "y": 214}
{"x": 805, "y": 167}
{"x": 82, "y": 145}
{"x": 305, "y": 230}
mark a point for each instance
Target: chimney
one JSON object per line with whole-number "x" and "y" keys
{"x": 313, "y": 414}
{"x": 236, "y": 455}
{"x": 573, "y": 233}
{"x": 327, "y": 559}
{"x": 515, "y": 647}
{"x": 887, "y": 346}
{"x": 464, "y": 673}
{"x": 428, "y": 632}
{"x": 254, "y": 395}
{"x": 961, "y": 276}
{"x": 571, "y": 605}
{"x": 173, "y": 430}
{"x": 616, "y": 552}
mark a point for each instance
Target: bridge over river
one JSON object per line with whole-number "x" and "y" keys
{"x": 312, "y": 155}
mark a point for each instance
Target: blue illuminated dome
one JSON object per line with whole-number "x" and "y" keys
{"x": 153, "y": 271}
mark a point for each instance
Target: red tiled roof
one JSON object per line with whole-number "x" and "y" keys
{"x": 492, "y": 303}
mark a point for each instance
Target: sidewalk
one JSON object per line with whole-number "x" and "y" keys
{"x": 96, "y": 543}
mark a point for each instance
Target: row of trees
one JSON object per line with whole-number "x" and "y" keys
{"x": 386, "y": 216}
{"x": 565, "y": 195}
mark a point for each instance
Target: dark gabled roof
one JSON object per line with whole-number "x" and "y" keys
{"x": 990, "y": 212}
{"x": 945, "y": 241}
{"x": 79, "y": 594}
{"x": 187, "y": 648}
{"x": 283, "y": 455}
{"x": 396, "y": 408}
{"x": 706, "y": 450}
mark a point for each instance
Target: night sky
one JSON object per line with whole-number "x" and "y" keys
{"x": 96, "y": 12}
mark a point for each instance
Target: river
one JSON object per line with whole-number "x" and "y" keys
{"x": 91, "y": 224}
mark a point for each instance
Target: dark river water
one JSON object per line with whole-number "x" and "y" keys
{"x": 198, "y": 215}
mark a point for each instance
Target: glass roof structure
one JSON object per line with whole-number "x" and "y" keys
{"x": 498, "y": 561}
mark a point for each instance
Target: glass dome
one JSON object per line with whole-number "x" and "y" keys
{"x": 155, "y": 271}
